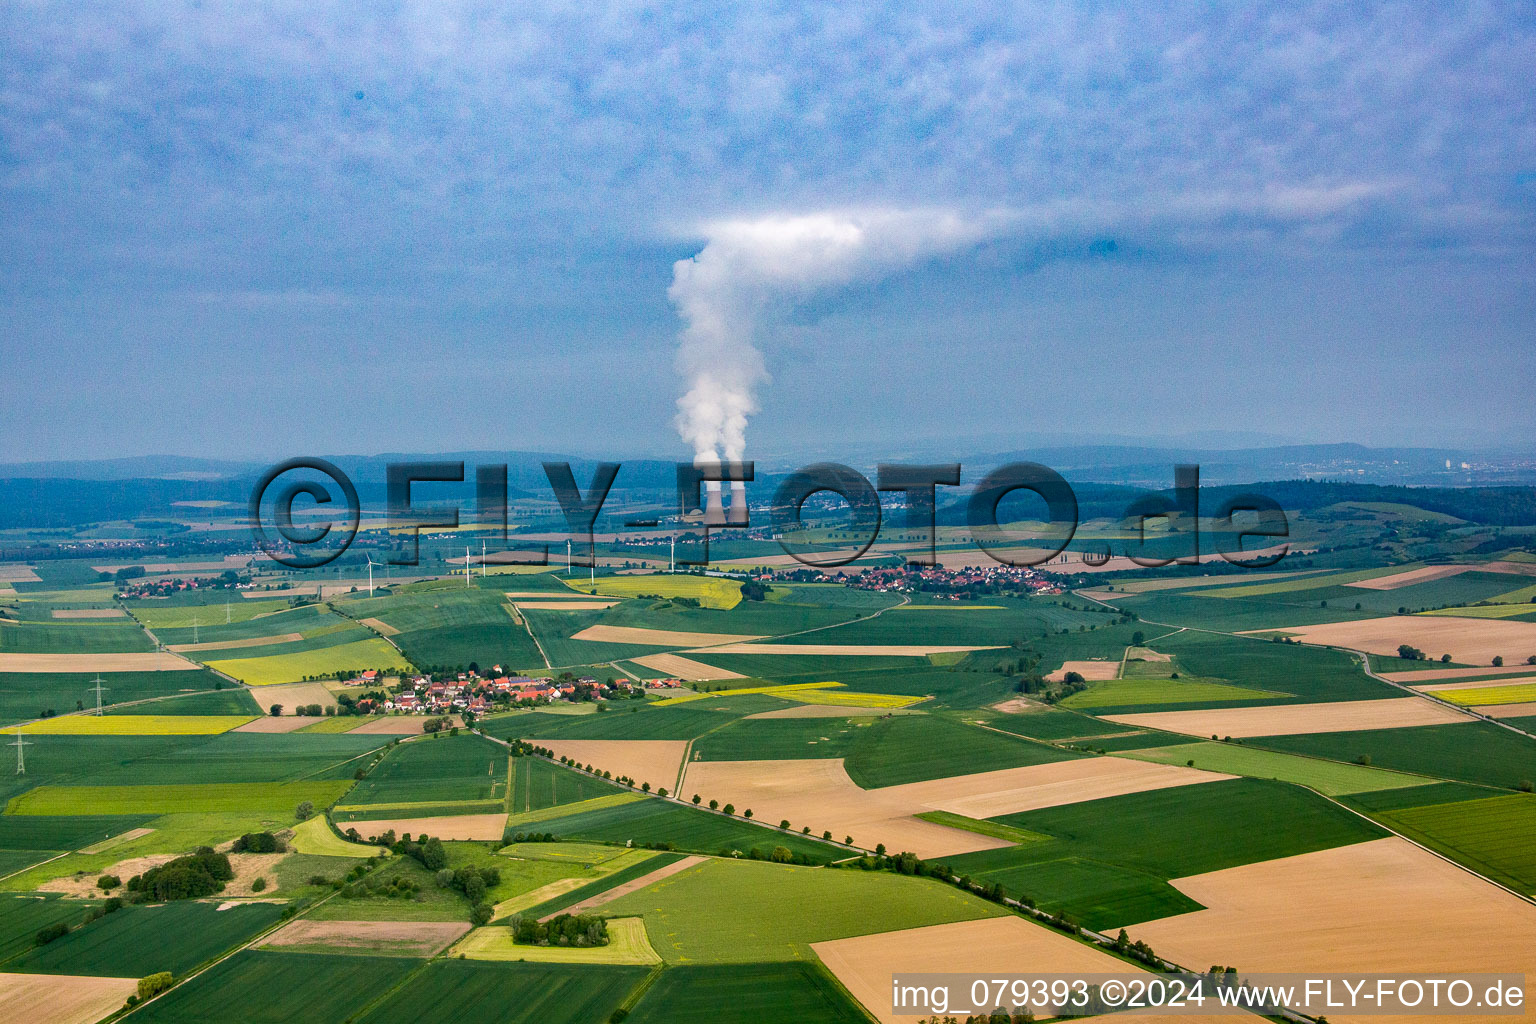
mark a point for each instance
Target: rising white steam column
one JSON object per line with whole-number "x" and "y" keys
{"x": 748, "y": 272}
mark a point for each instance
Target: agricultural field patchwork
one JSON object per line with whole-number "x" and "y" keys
{"x": 973, "y": 757}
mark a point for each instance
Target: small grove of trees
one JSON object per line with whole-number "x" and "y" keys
{"x": 304, "y": 811}
{"x": 1409, "y": 653}
{"x": 259, "y": 842}
{"x": 437, "y": 724}
{"x": 108, "y": 882}
{"x": 561, "y": 930}
{"x": 202, "y": 873}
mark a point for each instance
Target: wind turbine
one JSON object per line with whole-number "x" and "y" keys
{"x": 469, "y": 570}
{"x": 370, "y": 573}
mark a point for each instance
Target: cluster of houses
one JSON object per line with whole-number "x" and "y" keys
{"x": 956, "y": 584}
{"x": 478, "y": 695}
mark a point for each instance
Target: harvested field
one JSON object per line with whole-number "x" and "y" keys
{"x": 1383, "y": 906}
{"x": 653, "y": 761}
{"x": 657, "y": 637}
{"x": 569, "y": 606}
{"x": 630, "y": 886}
{"x": 1290, "y": 719}
{"x": 1508, "y": 710}
{"x": 1091, "y": 670}
{"x": 62, "y": 999}
{"x": 1002, "y": 945}
{"x": 18, "y": 574}
{"x": 229, "y": 645}
{"x": 89, "y": 613}
{"x": 379, "y": 626}
{"x": 458, "y": 826}
{"x": 285, "y": 723}
{"x": 293, "y": 695}
{"x": 685, "y": 668}
{"x": 248, "y": 867}
{"x": 819, "y": 793}
{"x": 1474, "y": 641}
{"x": 1429, "y": 674}
{"x": 389, "y": 938}
{"x": 851, "y": 650}
{"x": 1409, "y": 578}
{"x": 83, "y": 884}
{"x": 146, "y": 661}
{"x": 1145, "y": 654}
{"x": 396, "y": 725}
{"x": 1486, "y": 684}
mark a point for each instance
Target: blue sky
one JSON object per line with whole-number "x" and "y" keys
{"x": 250, "y": 230}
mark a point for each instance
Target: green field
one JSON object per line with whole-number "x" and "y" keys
{"x": 1466, "y": 752}
{"x": 653, "y": 821}
{"x": 1116, "y": 693}
{"x": 746, "y": 994}
{"x": 452, "y": 627}
{"x": 454, "y": 991}
{"x": 537, "y": 784}
{"x": 914, "y": 748}
{"x": 443, "y": 769}
{"x": 306, "y": 620}
{"x": 264, "y": 987}
{"x": 22, "y": 917}
{"x": 188, "y": 798}
{"x": 629, "y": 873}
{"x": 728, "y": 911}
{"x": 136, "y": 941}
{"x": 631, "y": 720}
{"x": 27, "y": 695}
{"x": 229, "y": 757}
{"x": 324, "y": 662}
{"x": 77, "y": 637}
{"x": 63, "y": 832}
{"x": 1495, "y": 836}
{"x": 1329, "y": 777}
{"x": 233, "y": 700}
{"x": 1048, "y": 724}
{"x": 1108, "y": 861}
{"x": 981, "y": 826}
{"x": 160, "y": 615}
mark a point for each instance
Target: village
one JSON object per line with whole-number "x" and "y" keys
{"x": 474, "y": 694}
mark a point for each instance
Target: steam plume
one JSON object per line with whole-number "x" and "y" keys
{"x": 750, "y": 269}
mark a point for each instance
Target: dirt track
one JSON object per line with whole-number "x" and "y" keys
{"x": 685, "y": 668}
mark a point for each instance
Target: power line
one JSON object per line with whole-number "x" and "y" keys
{"x": 21, "y": 754}
{"x": 98, "y": 688}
